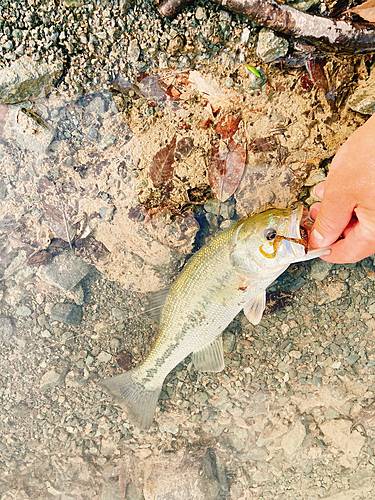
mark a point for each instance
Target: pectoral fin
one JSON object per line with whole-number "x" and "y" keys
{"x": 211, "y": 357}
{"x": 254, "y": 309}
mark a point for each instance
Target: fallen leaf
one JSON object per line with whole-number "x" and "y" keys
{"x": 228, "y": 126}
{"x": 210, "y": 90}
{"x": 184, "y": 148}
{"x": 365, "y": 10}
{"x": 264, "y": 144}
{"x": 228, "y": 159}
{"x": 316, "y": 73}
{"x": 161, "y": 169}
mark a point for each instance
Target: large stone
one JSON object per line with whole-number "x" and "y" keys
{"x": 69, "y": 314}
{"x": 6, "y": 328}
{"x": 270, "y": 46}
{"x": 66, "y": 270}
{"x": 27, "y": 78}
{"x": 362, "y": 99}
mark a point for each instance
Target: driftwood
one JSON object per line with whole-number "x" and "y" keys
{"x": 328, "y": 34}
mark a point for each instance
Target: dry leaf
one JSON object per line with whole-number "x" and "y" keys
{"x": 209, "y": 89}
{"x": 228, "y": 159}
{"x": 264, "y": 144}
{"x": 316, "y": 73}
{"x": 161, "y": 169}
{"x": 365, "y": 10}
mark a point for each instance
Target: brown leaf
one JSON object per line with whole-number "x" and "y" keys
{"x": 228, "y": 126}
{"x": 228, "y": 159}
{"x": 264, "y": 144}
{"x": 161, "y": 169}
{"x": 124, "y": 360}
{"x": 184, "y": 147}
{"x": 317, "y": 75}
{"x": 365, "y": 10}
{"x": 277, "y": 300}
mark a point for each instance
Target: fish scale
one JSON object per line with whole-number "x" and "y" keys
{"x": 229, "y": 274}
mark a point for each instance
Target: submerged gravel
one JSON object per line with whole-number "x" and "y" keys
{"x": 291, "y": 416}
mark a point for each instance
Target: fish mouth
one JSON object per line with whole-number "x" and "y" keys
{"x": 298, "y": 232}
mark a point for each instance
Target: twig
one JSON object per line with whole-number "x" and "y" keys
{"x": 329, "y": 34}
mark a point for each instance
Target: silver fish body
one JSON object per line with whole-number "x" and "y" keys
{"x": 229, "y": 274}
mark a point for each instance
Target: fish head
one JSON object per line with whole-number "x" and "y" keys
{"x": 270, "y": 240}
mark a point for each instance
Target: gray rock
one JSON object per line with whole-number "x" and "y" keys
{"x": 200, "y": 14}
{"x": 270, "y": 46}
{"x": 352, "y": 358}
{"x": 70, "y": 314}
{"x": 3, "y": 190}
{"x": 133, "y": 493}
{"x": 111, "y": 491}
{"x": 52, "y": 379}
{"x": 104, "y": 357}
{"x": 362, "y": 99}
{"x": 320, "y": 269}
{"x": 23, "y": 311}
{"x": 6, "y": 328}
{"x": 26, "y": 78}
{"x": 257, "y": 82}
{"x": 133, "y": 51}
{"x": 66, "y": 270}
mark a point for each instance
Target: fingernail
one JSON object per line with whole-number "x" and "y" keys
{"x": 316, "y": 238}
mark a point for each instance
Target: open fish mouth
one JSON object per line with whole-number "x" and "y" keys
{"x": 297, "y": 230}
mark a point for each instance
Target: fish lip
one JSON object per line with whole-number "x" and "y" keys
{"x": 295, "y": 221}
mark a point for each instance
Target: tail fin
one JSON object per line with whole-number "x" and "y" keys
{"x": 138, "y": 402}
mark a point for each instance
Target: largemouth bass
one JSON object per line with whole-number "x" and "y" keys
{"x": 229, "y": 274}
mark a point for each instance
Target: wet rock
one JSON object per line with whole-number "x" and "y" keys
{"x": 104, "y": 357}
{"x": 303, "y": 5}
{"x": 292, "y": 440}
{"x": 3, "y": 190}
{"x": 175, "y": 45}
{"x": 339, "y": 433}
{"x": 329, "y": 292}
{"x": 200, "y": 14}
{"x": 255, "y": 81}
{"x": 320, "y": 269}
{"x": 23, "y": 311}
{"x": 6, "y": 329}
{"x": 353, "y": 358}
{"x": 362, "y": 99}
{"x": 133, "y": 51}
{"x": 66, "y": 270}
{"x": 70, "y": 314}
{"x": 111, "y": 491}
{"x": 27, "y": 78}
{"x": 52, "y": 379}
{"x": 133, "y": 493}
{"x": 270, "y": 46}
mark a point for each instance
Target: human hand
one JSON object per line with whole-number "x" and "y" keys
{"x": 348, "y": 206}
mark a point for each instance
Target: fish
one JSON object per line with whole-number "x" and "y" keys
{"x": 229, "y": 274}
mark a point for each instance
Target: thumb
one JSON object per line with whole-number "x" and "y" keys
{"x": 331, "y": 220}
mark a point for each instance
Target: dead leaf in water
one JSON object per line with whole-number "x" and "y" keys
{"x": 161, "y": 169}
{"x": 228, "y": 159}
{"x": 365, "y": 10}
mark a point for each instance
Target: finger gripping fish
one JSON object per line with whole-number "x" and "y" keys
{"x": 226, "y": 276}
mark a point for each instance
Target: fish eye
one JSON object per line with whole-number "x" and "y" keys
{"x": 271, "y": 234}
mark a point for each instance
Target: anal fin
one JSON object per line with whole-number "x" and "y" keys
{"x": 255, "y": 308}
{"x": 211, "y": 357}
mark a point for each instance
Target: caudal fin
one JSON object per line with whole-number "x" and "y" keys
{"x": 139, "y": 403}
